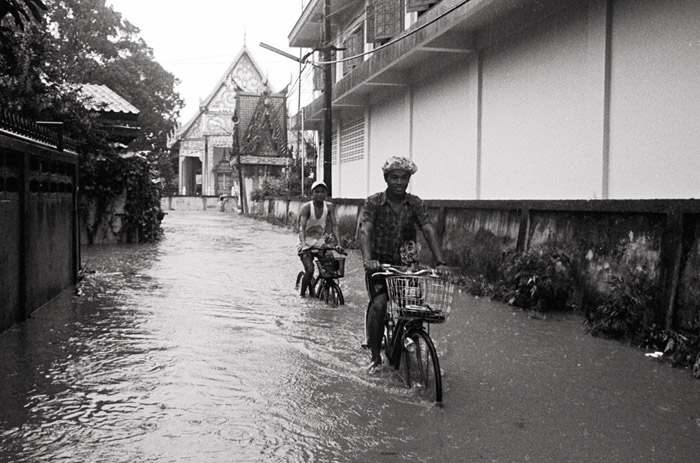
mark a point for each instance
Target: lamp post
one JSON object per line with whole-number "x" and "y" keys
{"x": 237, "y": 151}
{"x": 327, "y": 91}
{"x": 327, "y": 99}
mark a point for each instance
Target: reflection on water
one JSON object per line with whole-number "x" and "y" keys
{"x": 198, "y": 349}
{"x": 193, "y": 349}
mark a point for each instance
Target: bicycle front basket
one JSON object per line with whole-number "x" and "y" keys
{"x": 331, "y": 267}
{"x": 417, "y": 296}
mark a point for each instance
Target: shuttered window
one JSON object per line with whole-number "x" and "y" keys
{"x": 419, "y": 5}
{"x": 334, "y": 145}
{"x": 354, "y": 45}
{"x": 384, "y": 19}
{"x": 352, "y": 141}
{"x": 351, "y": 144}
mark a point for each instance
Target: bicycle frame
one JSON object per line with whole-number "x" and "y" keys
{"x": 326, "y": 286}
{"x": 407, "y": 342}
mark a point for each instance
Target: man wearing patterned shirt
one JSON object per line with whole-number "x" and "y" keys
{"x": 388, "y": 222}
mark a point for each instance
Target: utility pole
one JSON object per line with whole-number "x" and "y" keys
{"x": 327, "y": 98}
{"x": 237, "y": 152}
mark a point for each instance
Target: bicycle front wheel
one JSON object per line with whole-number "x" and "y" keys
{"x": 420, "y": 367}
{"x": 331, "y": 294}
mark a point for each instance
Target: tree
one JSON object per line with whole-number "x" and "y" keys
{"x": 20, "y": 11}
{"x": 85, "y": 41}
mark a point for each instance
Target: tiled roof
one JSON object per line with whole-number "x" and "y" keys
{"x": 103, "y": 95}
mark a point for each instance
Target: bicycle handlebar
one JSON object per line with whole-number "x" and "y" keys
{"x": 327, "y": 247}
{"x": 389, "y": 270}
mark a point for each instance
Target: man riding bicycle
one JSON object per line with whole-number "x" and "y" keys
{"x": 315, "y": 219}
{"x": 388, "y": 223}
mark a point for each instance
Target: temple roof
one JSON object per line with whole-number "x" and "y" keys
{"x": 243, "y": 75}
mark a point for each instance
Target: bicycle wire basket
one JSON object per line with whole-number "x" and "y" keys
{"x": 419, "y": 296}
{"x": 331, "y": 266}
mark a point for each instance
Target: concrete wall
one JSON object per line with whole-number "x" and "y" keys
{"x": 389, "y": 135}
{"x": 602, "y": 238}
{"x": 193, "y": 203}
{"x": 598, "y": 100}
{"x": 655, "y": 99}
{"x": 539, "y": 132}
{"x": 441, "y": 118}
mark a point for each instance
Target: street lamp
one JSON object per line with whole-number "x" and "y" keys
{"x": 327, "y": 90}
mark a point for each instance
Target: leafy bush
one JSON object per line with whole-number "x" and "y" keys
{"x": 346, "y": 230}
{"x": 271, "y": 187}
{"x": 538, "y": 279}
{"x": 476, "y": 286}
{"x": 627, "y": 313}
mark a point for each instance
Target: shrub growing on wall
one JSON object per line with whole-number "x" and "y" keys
{"x": 627, "y": 312}
{"x": 538, "y": 279}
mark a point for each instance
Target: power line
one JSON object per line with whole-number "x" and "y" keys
{"x": 397, "y": 39}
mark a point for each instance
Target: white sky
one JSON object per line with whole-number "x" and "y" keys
{"x": 197, "y": 41}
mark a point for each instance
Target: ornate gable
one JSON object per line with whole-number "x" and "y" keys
{"x": 243, "y": 75}
{"x": 265, "y": 134}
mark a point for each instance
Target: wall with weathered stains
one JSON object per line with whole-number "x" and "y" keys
{"x": 602, "y": 238}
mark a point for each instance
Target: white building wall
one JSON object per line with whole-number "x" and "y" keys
{"x": 388, "y": 136}
{"x": 444, "y": 135}
{"x": 655, "y": 99}
{"x": 543, "y": 112}
{"x": 540, "y": 135}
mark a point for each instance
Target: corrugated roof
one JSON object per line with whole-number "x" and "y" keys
{"x": 103, "y": 95}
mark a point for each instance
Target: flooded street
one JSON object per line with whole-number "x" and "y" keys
{"x": 198, "y": 349}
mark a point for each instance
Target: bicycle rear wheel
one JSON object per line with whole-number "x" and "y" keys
{"x": 420, "y": 367}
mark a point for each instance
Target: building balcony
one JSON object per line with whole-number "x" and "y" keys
{"x": 451, "y": 30}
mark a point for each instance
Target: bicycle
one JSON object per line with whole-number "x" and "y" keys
{"x": 330, "y": 268}
{"x": 415, "y": 301}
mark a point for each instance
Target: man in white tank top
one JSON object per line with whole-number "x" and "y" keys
{"x": 316, "y": 218}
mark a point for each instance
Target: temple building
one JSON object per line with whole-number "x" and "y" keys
{"x": 239, "y": 133}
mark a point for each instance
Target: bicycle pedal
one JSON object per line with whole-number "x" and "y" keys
{"x": 364, "y": 345}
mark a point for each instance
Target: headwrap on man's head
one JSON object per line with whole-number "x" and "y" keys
{"x": 399, "y": 163}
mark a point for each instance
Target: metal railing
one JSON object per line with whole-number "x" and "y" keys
{"x": 50, "y": 134}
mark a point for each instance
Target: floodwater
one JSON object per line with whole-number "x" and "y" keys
{"x": 198, "y": 349}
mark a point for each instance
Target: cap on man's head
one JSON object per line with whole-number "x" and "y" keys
{"x": 399, "y": 163}
{"x": 318, "y": 183}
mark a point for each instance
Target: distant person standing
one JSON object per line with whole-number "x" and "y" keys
{"x": 316, "y": 218}
{"x": 221, "y": 203}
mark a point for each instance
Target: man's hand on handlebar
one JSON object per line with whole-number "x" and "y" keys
{"x": 443, "y": 270}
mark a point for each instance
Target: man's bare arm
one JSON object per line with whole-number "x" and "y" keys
{"x": 366, "y": 232}
{"x": 303, "y": 217}
{"x": 432, "y": 239}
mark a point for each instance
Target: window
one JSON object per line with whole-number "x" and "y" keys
{"x": 354, "y": 45}
{"x": 334, "y": 145}
{"x": 352, "y": 141}
{"x": 419, "y": 5}
{"x": 384, "y": 19}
